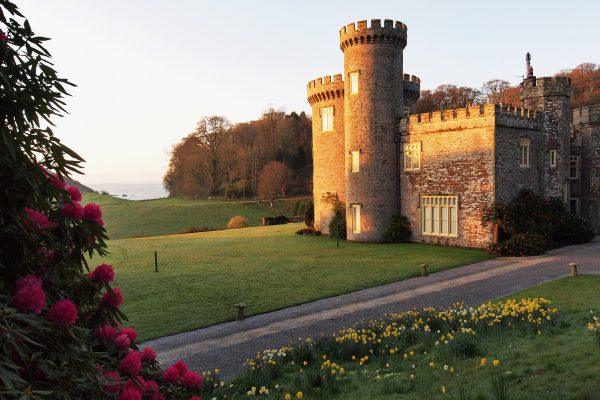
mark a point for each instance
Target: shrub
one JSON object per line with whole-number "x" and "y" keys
{"x": 61, "y": 324}
{"x": 195, "y": 229}
{"x": 519, "y": 245}
{"x": 309, "y": 214}
{"x": 398, "y": 230}
{"x": 531, "y": 224}
{"x": 237, "y": 222}
{"x": 295, "y": 208}
{"x": 308, "y": 231}
{"x": 337, "y": 225}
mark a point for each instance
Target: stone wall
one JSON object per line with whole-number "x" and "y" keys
{"x": 586, "y": 124}
{"x": 328, "y": 147}
{"x": 457, "y": 158}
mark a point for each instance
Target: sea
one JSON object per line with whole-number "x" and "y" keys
{"x": 132, "y": 191}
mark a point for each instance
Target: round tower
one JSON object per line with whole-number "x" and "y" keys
{"x": 326, "y": 97}
{"x": 373, "y": 106}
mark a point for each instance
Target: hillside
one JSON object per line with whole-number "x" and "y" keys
{"x": 127, "y": 218}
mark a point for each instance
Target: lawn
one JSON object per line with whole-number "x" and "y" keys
{"x": 412, "y": 356}
{"x": 127, "y": 218}
{"x": 202, "y": 275}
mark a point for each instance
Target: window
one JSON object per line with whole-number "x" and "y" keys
{"x": 355, "y": 218}
{"x": 353, "y": 82}
{"x": 355, "y": 156}
{"x": 439, "y": 216}
{"x": 327, "y": 119}
{"x": 552, "y": 158}
{"x": 524, "y": 145}
{"x": 574, "y": 206}
{"x": 412, "y": 156}
{"x": 574, "y": 167}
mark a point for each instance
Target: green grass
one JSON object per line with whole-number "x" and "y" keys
{"x": 561, "y": 361}
{"x": 201, "y": 276}
{"x": 127, "y": 218}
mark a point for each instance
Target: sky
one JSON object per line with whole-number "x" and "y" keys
{"x": 147, "y": 71}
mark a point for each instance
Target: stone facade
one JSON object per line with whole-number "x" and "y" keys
{"x": 440, "y": 169}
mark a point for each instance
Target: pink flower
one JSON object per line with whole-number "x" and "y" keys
{"x": 3, "y": 37}
{"x": 131, "y": 364}
{"x": 195, "y": 398}
{"x": 150, "y": 387}
{"x": 129, "y": 332}
{"x": 111, "y": 300}
{"x": 171, "y": 374}
{"x": 106, "y": 332}
{"x": 114, "y": 382}
{"x": 30, "y": 296}
{"x": 137, "y": 383}
{"x": 157, "y": 396}
{"x": 75, "y": 193}
{"x": 191, "y": 380}
{"x": 181, "y": 367}
{"x": 122, "y": 341}
{"x": 63, "y": 313}
{"x": 103, "y": 273}
{"x": 73, "y": 211}
{"x": 57, "y": 182}
{"x": 148, "y": 354}
{"x": 130, "y": 394}
{"x": 39, "y": 219}
{"x": 92, "y": 212}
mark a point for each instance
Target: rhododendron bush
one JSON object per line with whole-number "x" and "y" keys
{"x": 61, "y": 330}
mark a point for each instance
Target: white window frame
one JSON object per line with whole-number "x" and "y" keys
{"x": 524, "y": 153}
{"x": 353, "y": 77}
{"x": 327, "y": 118}
{"x": 355, "y": 218}
{"x": 412, "y": 156}
{"x": 553, "y": 158}
{"x": 439, "y": 215}
{"x": 355, "y": 161}
{"x": 574, "y": 159}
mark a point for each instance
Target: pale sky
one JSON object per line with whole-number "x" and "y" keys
{"x": 147, "y": 71}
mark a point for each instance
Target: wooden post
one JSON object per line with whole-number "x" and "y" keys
{"x": 573, "y": 269}
{"x": 155, "y": 261}
{"x": 239, "y": 316}
{"x": 424, "y": 271}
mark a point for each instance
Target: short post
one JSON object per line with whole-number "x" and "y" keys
{"x": 424, "y": 271}
{"x": 573, "y": 269}
{"x": 239, "y": 316}
{"x": 155, "y": 261}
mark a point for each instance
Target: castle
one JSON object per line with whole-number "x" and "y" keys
{"x": 440, "y": 169}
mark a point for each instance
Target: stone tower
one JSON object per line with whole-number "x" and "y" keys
{"x": 373, "y": 106}
{"x": 326, "y": 97}
{"x": 552, "y": 96}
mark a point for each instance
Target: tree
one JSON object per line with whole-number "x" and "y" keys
{"x": 447, "y": 97}
{"x": 585, "y": 83}
{"x": 272, "y": 181}
{"x": 188, "y": 172}
{"x": 61, "y": 330}
{"x": 211, "y": 132}
{"x": 498, "y": 91}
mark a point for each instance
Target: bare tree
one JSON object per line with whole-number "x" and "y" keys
{"x": 211, "y": 132}
{"x": 272, "y": 181}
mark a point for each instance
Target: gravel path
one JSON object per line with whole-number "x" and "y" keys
{"x": 227, "y": 346}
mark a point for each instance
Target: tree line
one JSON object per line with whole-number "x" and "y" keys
{"x": 585, "y": 81}
{"x": 265, "y": 158}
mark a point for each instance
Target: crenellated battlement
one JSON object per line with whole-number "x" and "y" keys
{"x": 548, "y": 86}
{"x": 325, "y": 88}
{"x": 500, "y": 116}
{"x": 411, "y": 86}
{"x": 360, "y": 33}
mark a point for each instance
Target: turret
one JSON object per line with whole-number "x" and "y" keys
{"x": 552, "y": 96}
{"x": 373, "y": 105}
{"x": 326, "y": 97}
